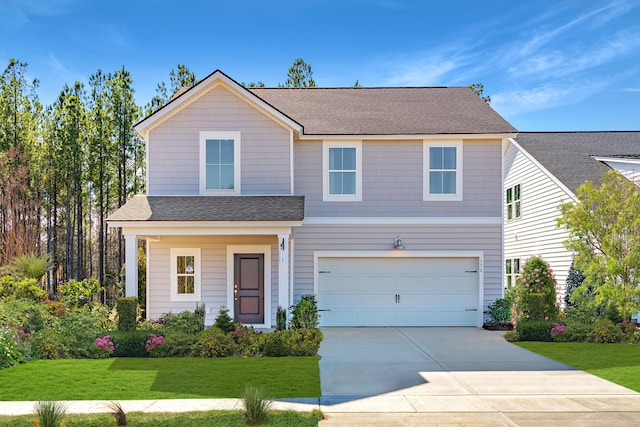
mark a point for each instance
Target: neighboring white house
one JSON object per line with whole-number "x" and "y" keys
{"x": 543, "y": 170}
{"x": 386, "y": 203}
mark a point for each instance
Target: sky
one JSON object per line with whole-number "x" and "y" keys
{"x": 552, "y": 65}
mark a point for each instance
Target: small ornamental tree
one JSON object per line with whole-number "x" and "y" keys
{"x": 535, "y": 294}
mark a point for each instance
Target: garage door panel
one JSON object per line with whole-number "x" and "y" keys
{"x": 412, "y": 291}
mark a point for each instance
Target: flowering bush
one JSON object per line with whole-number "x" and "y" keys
{"x": 15, "y": 347}
{"x": 557, "y": 330}
{"x": 535, "y": 295}
{"x": 105, "y": 344}
{"x": 153, "y": 342}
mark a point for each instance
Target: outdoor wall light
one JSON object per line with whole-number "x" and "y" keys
{"x": 397, "y": 244}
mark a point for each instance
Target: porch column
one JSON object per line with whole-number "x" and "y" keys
{"x": 131, "y": 262}
{"x": 283, "y": 271}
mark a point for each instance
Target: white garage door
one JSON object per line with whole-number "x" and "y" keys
{"x": 398, "y": 291}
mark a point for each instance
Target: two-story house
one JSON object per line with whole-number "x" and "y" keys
{"x": 544, "y": 170}
{"x": 385, "y": 203}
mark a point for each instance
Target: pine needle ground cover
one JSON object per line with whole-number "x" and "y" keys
{"x": 160, "y": 378}
{"x": 618, "y": 363}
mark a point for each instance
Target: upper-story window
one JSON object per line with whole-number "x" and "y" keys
{"x": 442, "y": 170}
{"x": 512, "y": 200}
{"x": 511, "y": 271}
{"x": 219, "y": 163}
{"x": 342, "y": 169}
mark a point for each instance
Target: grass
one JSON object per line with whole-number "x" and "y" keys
{"x": 618, "y": 363}
{"x": 187, "y": 419}
{"x": 160, "y": 378}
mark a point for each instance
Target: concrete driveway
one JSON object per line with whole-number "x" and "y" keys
{"x": 458, "y": 371}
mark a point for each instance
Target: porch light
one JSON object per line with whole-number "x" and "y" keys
{"x": 397, "y": 244}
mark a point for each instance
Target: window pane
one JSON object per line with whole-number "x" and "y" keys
{"x": 509, "y": 211}
{"x": 449, "y": 158}
{"x": 226, "y": 177}
{"x": 435, "y": 182}
{"x": 435, "y": 157}
{"x": 516, "y": 192}
{"x": 509, "y": 283}
{"x": 516, "y": 266}
{"x": 517, "y": 206}
{"x": 349, "y": 158}
{"x": 508, "y": 196}
{"x": 449, "y": 182}
{"x": 508, "y": 266}
{"x": 226, "y": 151}
{"x": 335, "y": 158}
{"x": 348, "y": 183}
{"x": 186, "y": 285}
{"x": 185, "y": 265}
{"x": 335, "y": 183}
{"x": 213, "y": 151}
{"x": 213, "y": 177}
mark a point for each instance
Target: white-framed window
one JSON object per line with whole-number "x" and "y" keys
{"x": 512, "y": 201}
{"x": 511, "y": 271}
{"x": 442, "y": 170}
{"x": 185, "y": 274}
{"x": 342, "y": 170}
{"x": 219, "y": 163}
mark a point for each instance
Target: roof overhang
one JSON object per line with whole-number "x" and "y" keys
{"x": 440, "y": 137}
{"x": 213, "y": 80}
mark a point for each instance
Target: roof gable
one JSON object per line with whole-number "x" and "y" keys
{"x": 570, "y": 156}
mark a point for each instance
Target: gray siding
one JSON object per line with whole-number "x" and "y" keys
{"x": 392, "y": 181}
{"x": 214, "y": 272}
{"x": 173, "y": 146}
{"x": 535, "y": 233}
{"x": 310, "y": 238}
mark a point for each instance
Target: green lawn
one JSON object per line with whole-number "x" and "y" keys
{"x": 160, "y": 378}
{"x": 618, "y": 363}
{"x": 189, "y": 419}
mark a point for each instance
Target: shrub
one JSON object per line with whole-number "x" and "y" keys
{"x": 50, "y": 414}
{"x": 292, "y": 342}
{"x": 176, "y": 344}
{"x": 574, "y": 280}
{"x": 281, "y": 319}
{"x": 223, "y": 321}
{"x": 31, "y": 316}
{"x": 499, "y": 312}
{"x": 256, "y": 407}
{"x": 629, "y": 332}
{"x": 33, "y": 266}
{"x": 511, "y": 336}
{"x": 28, "y": 289}
{"x": 535, "y": 295}
{"x": 10, "y": 352}
{"x": 605, "y": 331}
{"x": 274, "y": 345}
{"x": 304, "y": 314}
{"x": 127, "y": 313}
{"x": 76, "y": 293}
{"x": 47, "y": 344}
{"x": 78, "y": 331}
{"x": 187, "y": 322}
{"x": 213, "y": 342}
{"x": 130, "y": 343}
{"x": 535, "y": 330}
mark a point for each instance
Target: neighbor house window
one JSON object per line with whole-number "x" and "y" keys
{"x": 185, "y": 274}
{"x": 342, "y": 164}
{"x": 512, "y": 200}
{"x": 442, "y": 170}
{"x": 512, "y": 271}
{"x": 219, "y": 163}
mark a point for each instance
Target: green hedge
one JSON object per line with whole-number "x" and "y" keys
{"x": 127, "y": 313}
{"x": 535, "y": 330}
{"x": 130, "y": 343}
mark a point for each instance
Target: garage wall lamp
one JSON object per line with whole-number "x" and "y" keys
{"x": 397, "y": 244}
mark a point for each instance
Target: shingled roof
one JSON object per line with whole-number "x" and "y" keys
{"x": 203, "y": 208}
{"x": 386, "y": 111}
{"x": 569, "y": 155}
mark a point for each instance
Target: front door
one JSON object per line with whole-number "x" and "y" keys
{"x": 248, "y": 288}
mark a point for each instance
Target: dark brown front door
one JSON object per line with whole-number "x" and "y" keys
{"x": 248, "y": 288}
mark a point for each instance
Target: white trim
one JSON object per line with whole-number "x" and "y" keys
{"x": 236, "y": 136}
{"x": 291, "y": 166}
{"x": 250, "y": 249}
{"x": 174, "y": 228}
{"x": 405, "y": 137}
{"x": 409, "y": 254}
{"x": 131, "y": 262}
{"x": 148, "y": 264}
{"x": 214, "y": 80}
{"x": 420, "y": 220}
{"x": 284, "y": 251}
{"x": 326, "y": 196}
{"x": 197, "y": 277}
{"x": 426, "y": 195}
{"x": 624, "y": 160}
{"x": 544, "y": 170}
